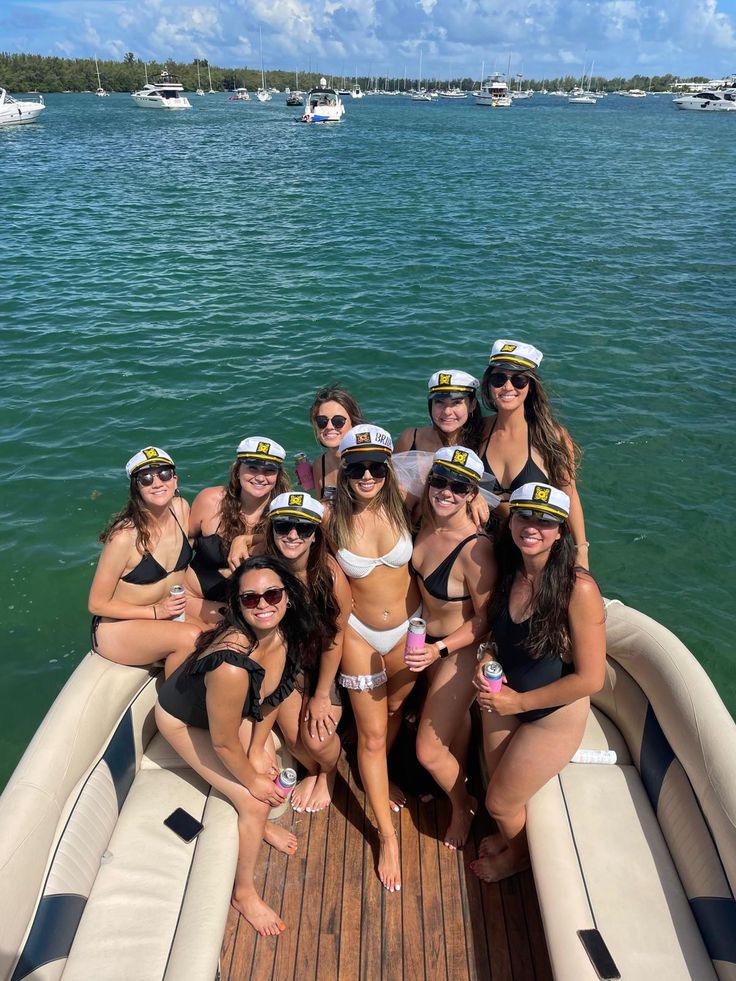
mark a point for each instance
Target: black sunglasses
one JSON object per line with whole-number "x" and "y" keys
{"x": 267, "y": 469}
{"x": 146, "y": 478}
{"x": 337, "y": 421}
{"x": 499, "y": 378}
{"x": 529, "y": 514}
{"x": 284, "y": 526}
{"x": 456, "y": 486}
{"x": 272, "y": 597}
{"x": 354, "y": 471}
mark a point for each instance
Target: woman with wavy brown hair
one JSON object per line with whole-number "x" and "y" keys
{"x": 333, "y": 414}
{"x": 221, "y": 514}
{"x": 523, "y": 440}
{"x": 455, "y": 416}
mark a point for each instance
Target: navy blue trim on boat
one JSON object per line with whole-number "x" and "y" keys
{"x": 716, "y": 919}
{"x": 120, "y": 757}
{"x": 655, "y": 757}
{"x": 52, "y": 934}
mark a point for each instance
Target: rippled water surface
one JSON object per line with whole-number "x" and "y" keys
{"x": 187, "y": 279}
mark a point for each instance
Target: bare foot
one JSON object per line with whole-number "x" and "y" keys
{"x": 460, "y": 823}
{"x": 389, "y": 866}
{"x": 396, "y": 797}
{"x": 279, "y": 838}
{"x": 322, "y": 793}
{"x": 491, "y": 845}
{"x": 302, "y": 792}
{"x": 501, "y": 866}
{"x": 260, "y": 916}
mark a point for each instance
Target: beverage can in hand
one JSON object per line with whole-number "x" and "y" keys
{"x": 177, "y": 591}
{"x": 416, "y": 635}
{"x": 286, "y": 781}
{"x": 493, "y": 674}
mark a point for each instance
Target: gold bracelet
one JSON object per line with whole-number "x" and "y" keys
{"x": 583, "y": 545}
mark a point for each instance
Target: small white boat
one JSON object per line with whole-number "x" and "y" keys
{"x": 494, "y": 92}
{"x": 453, "y": 93}
{"x": 578, "y": 97}
{"x": 420, "y": 95}
{"x": 263, "y": 95}
{"x": 356, "y": 92}
{"x": 323, "y": 105}
{"x": 13, "y": 112}
{"x": 166, "y": 93}
{"x": 99, "y": 91}
{"x": 709, "y": 100}
{"x": 633, "y": 93}
{"x": 239, "y": 95}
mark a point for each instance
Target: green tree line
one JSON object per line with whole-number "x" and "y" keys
{"x": 27, "y": 72}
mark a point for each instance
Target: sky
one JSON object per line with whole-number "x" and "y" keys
{"x": 543, "y": 38}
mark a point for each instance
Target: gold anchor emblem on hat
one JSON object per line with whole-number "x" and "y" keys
{"x": 150, "y": 452}
{"x": 445, "y": 379}
{"x": 363, "y": 438}
{"x": 264, "y": 448}
{"x": 508, "y": 347}
{"x": 296, "y": 500}
{"x": 460, "y": 456}
{"x": 541, "y": 494}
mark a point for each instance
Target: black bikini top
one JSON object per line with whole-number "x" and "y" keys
{"x": 528, "y": 474}
{"x": 436, "y": 582}
{"x": 149, "y": 571}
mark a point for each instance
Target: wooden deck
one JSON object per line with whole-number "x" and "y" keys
{"x": 341, "y": 924}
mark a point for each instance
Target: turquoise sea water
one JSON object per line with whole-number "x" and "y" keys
{"x": 187, "y": 279}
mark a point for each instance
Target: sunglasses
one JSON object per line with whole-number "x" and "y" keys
{"x": 267, "y": 469}
{"x": 354, "y": 471}
{"x": 456, "y": 486}
{"x": 146, "y": 478}
{"x": 531, "y": 515}
{"x": 272, "y": 596}
{"x": 304, "y": 529}
{"x": 337, "y": 421}
{"x": 499, "y": 378}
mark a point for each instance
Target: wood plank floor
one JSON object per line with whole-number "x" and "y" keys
{"x": 341, "y": 924}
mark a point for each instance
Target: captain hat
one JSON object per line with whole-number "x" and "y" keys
{"x": 541, "y": 497}
{"x": 366, "y": 442}
{"x": 524, "y": 357}
{"x": 459, "y": 460}
{"x": 452, "y": 383}
{"x": 296, "y": 505}
{"x": 261, "y": 449}
{"x": 149, "y": 456}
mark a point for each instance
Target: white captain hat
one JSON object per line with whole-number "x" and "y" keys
{"x": 547, "y": 500}
{"x": 150, "y": 456}
{"x": 366, "y": 442}
{"x": 453, "y": 383}
{"x": 296, "y": 505}
{"x": 515, "y": 354}
{"x": 460, "y": 461}
{"x": 261, "y": 449}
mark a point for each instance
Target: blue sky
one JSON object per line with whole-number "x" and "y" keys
{"x": 543, "y": 37}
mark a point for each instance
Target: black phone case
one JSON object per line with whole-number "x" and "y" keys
{"x": 599, "y": 954}
{"x": 183, "y": 824}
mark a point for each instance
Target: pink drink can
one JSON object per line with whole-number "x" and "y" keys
{"x": 416, "y": 635}
{"x": 177, "y": 591}
{"x": 304, "y": 471}
{"x": 493, "y": 674}
{"x": 285, "y": 781}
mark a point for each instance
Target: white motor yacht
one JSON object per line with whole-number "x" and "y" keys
{"x": 634, "y": 93}
{"x": 494, "y": 92}
{"x": 709, "y": 100}
{"x": 356, "y": 92}
{"x": 16, "y": 111}
{"x": 323, "y": 105}
{"x": 166, "y": 93}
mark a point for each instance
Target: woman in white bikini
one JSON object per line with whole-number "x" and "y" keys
{"x": 371, "y": 530}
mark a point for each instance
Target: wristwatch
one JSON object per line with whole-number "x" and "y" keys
{"x": 442, "y": 648}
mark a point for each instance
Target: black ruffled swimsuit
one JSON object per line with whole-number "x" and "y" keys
{"x": 210, "y": 555}
{"x": 185, "y": 695}
{"x": 523, "y": 672}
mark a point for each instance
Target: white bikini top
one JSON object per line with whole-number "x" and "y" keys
{"x": 358, "y": 566}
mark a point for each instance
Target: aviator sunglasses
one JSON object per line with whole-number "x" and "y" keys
{"x": 499, "y": 378}
{"x": 272, "y": 596}
{"x": 337, "y": 421}
{"x": 377, "y": 470}
{"x": 456, "y": 486}
{"x": 163, "y": 473}
{"x": 529, "y": 514}
{"x": 283, "y": 526}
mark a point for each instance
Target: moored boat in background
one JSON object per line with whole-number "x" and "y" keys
{"x": 323, "y": 105}
{"x": 165, "y": 93}
{"x": 13, "y": 112}
{"x": 707, "y": 100}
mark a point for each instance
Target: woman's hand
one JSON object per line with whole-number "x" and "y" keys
{"x": 239, "y": 552}
{"x": 318, "y": 716}
{"x": 170, "y": 607}
{"x": 262, "y": 763}
{"x": 421, "y": 659}
{"x": 479, "y": 512}
{"x": 504, "y": 702}
{"x": 264, "y": 789}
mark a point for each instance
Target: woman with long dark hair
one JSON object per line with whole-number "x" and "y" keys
{"x": 523, "y": 440}
{"x": 308, "y": 720}
{"x": 145, "y": 552}
{"x": 370, "y": 528}
{"x": 455, "y": 416}
{"x": 218, "y": 708}
{"x": 333, "y": 414}
{"x": 455, "y": 569}
{"x": 547, "y": 630}
{"x": 236, "y": 511}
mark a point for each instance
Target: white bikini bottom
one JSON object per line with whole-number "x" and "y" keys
{"x": 382, "y": 641}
